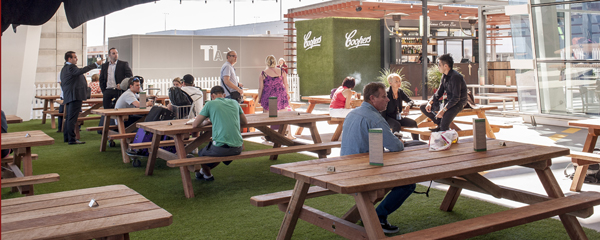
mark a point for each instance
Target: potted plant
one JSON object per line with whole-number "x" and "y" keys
{"x": 434, "y": 78}
{"x": 384, "y": 73}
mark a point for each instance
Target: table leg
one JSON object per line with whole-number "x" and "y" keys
{"x": 316, "y": 137}
{"x": 551, "y": 186}
{"x": 52, "y": 119}
{"x": 420, "y": 119}
{"x": 368, "y": 215}
{"x": 488, "y": 128}
{"x": 293, "y": 211}
{"x": 153, "y": 153}
{"x": 338, "y": 132}
{"x": 450, "y": 198}
{"x": 309, "y": 109}
{"x": 282, "y": 129}
{"x": 27, "y": 170}
{"x": 588, "y": 146}
{"x": 44, "y": 110}
{"x": 186, "y": 179}
{"x": 124, "y": 144}
{"x": 105, "y": 130}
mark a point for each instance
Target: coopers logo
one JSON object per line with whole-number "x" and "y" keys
{"x": 358, "y": 42}
{"x": 311, "y": 43}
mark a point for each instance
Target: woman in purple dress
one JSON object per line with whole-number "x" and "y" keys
{"x": 273, "y": 83}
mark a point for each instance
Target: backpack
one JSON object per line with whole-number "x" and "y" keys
{"x": 142, "y": 136}
{"x": 158, "y": 113}
{"x": 332, "y": 92}
{"x": 591, "y": 176}
{"x": 178, "y": 97}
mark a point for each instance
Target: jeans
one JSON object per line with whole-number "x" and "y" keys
{"x": 393, "y": 201}
{"x": 407, "y": 122}
{"x": 446, "y": 120}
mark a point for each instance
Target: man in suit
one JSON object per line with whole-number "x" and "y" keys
{"x": 111, "y": 74}
{"x": 74, "y": 86}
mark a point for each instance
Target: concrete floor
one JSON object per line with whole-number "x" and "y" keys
{"x": 517, "y": 177}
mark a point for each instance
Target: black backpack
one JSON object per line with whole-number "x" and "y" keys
{"x": 158, "y": 113}
{"x": 178, "y": 97}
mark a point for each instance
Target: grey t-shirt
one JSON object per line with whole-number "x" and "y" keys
{"x": 126, "y": 100}
{"x": 228, "y": 70}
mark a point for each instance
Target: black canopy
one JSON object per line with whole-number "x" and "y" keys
{"x": 38, "y": 12}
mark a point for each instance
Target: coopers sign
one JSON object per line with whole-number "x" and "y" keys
{"x": 361, "y": 41}
{"x": 311, "y": 43}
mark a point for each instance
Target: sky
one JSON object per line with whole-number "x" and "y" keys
{"x": 189, "y": 15}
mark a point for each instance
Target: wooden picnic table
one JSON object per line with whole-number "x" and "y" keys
{"x": 13, "y": 119}
{"x": 48, "y": 105}
{"x": 593, "y": 126}
{"x": 97, "y": 95}
{"x": 368, "y": 184}
{"x": 322, "y": 99}
{"x": 424, "y": 121}
{"x": 66, "y": 215}
{"x": 21, "y": 145}
{"x": 119, "y": 115}
{"x": 180, "y": 131}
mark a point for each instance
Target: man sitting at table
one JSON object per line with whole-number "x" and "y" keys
{"x": 454, "y": 86}
{"x": 226, "y": 115}
{"x": 129, "y": 99}
{"x": 356, "y": 140}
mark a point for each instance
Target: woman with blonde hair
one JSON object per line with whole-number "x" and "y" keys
{"x": 282, "y": 65}
{"x": 273, "y": 83}
{"x": 396, "y": 113}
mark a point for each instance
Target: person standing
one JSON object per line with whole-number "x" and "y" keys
{"x": 111, "y": 74}
{"x": 74, "y": 88}
{"x": 356, "y": 140}
{"x": 273, "y": 83}
{"x": 229, "y": 79}
{"x": 455, "y": 87}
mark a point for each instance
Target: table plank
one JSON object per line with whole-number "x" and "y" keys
{"x": 588, "y": 123}
{"x": 18, "y": 139}
{"x": 13, "y": 119}
{"x": 60, "y": 195}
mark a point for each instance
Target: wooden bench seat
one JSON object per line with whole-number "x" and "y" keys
{"x": 425, "y": 132}
{"x": 162, "y": 144}
{"x": 583, "y": 158}
{"x": 30, "y": 180}
{"x": 295, "y": 105}
{"x": 111, "y": 127}
{"x": 252, "y": 154}
{"x": 506, "y": 219}
{"x": 11, "y": 158}
{"x": 285, "y": 196}
{"x": 81, "y": 119}
{"x": 499, "y": 98}
{"x": 121, "y": 136}
{"x": 252, "y": 134}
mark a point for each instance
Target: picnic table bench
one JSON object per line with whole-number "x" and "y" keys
{"x": 499, "y": 98}
{"x": 120, "y": 115}
{"x": 584, "y": 159}
{"x": 48, "y": 105}
{"x": 13, "y": 119}
{"x": 322, "y": 99}
{"x": 459, "y": 166}
{"x": 67, "y": 215}
{"x": 180, "y": 131}
{"x": 21, "y": 143}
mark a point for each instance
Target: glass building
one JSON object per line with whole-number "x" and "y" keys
{"x": 557, "y": 44}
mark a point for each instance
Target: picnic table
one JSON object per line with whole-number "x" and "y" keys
{"x": 48, "y": 106}
{"x": 458, "y": 167}
{"x": 66, "y": 215}
{"x": 21, "y": 143}
{"x": 121, "y": 134}
{"x": 180, "y": 131}
{"x": 593, "y": 126}
{"x": 423, "y": 122}
{"x": 13, "y": 119}
{"x": 322, "y": 99}
{"x": 97, "y": 95}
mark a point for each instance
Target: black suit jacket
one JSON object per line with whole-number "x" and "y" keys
{"x": 73, "y": 82}
{"x": 121, "y": 71}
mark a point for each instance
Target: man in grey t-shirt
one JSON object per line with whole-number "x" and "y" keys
{"x": 229, "y": 77}
{"x": 129, "y": 100}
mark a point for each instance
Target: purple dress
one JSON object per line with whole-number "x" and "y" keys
{"x": 273, "y": 87}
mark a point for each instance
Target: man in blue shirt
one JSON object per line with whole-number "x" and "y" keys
{"x": 356, "y": 140}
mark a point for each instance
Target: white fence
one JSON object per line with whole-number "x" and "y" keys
{"x": 163, "y": 84}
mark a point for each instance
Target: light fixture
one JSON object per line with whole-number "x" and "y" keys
{"x": 446, "y": 14}
{"x": 411, "y": 5}
{"x": 441, "y": 6}
{"x": 472, "y": 20}
{"x": 359, "y": 8}
{"x": 204, "y": 1}
{"x": 396, "y": 17}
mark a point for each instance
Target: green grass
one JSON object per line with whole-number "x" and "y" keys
{"x": 222, "y": 209}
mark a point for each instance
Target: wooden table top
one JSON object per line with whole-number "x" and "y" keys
{"x": 13, "y": 119}
{"x": 97, "y": 95}
{"x": 121, "y": 112}
{"x": 499, "y": 86}
{"x": 52, "y": 97}
{"x": 588, "y": 123}
{"x": 18, "y": 139}
{"x": 254, "y": 120}
{"x": 354, "y": 174}
{"x": 326, "y": 99}
{"x": 93, "y": 101}
{"x": 66, "y": 215}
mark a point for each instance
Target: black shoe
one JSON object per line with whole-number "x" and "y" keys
{"x": 437, "y": 129}
{"x": 389, "y": 228}
{"x": 76, "y": 142}
{"x": 200, "y": 176}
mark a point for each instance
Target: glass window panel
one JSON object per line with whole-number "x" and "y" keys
{"x": 521, "y": 37}
{"x": 526, "y": 90}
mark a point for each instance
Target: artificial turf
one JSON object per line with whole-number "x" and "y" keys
{"x": 222, "y": 209}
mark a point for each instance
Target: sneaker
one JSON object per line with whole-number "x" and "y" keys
{"x": 200, "y": 176}
{"x": 389, "y": 228}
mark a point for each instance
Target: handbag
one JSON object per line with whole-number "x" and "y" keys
{"x": 233, "y": 95}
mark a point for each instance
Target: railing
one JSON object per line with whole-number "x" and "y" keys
{"x": 163, "y": 84}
